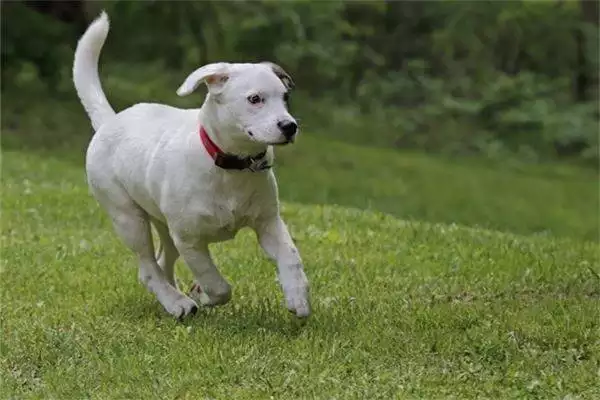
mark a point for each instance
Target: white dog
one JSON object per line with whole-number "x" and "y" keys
{"x": 197, "y": 175}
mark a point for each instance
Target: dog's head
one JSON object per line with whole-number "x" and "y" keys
{"x": 248, "y": 99}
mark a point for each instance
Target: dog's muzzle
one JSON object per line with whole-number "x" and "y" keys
{"x": 288, "y": 129}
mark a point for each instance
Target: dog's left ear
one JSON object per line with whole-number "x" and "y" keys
{"x": 281, "y": 74}
{"x": 214, "y": 75}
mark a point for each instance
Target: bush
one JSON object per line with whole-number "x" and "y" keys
{"x": 459, "y": 77}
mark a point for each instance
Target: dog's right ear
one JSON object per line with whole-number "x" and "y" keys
{"x": 281, "y": 74}
{"x": 214, "y": 75}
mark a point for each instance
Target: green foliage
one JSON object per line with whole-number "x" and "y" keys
{"x": 33, "y": 44}
{"x": 477, "y": 39}
{"x": 524, "y": 115}
{"x": 455, "y": 76}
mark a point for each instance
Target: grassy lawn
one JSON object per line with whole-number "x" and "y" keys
{"x": 407, "y": 304}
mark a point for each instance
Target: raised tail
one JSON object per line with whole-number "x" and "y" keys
{"x": 85, "y": 72}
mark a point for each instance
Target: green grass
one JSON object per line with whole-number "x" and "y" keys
{"x": 523, "y": 199}
{"x": 430, "y": 278}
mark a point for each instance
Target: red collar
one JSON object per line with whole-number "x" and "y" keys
{"x": 229, "y": 161}
{"x": 210, "y": 146}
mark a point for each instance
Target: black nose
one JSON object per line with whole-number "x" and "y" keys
{"x": 288, "y": 128}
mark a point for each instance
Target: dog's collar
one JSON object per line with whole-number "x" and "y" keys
{"x": 223, "y": 160}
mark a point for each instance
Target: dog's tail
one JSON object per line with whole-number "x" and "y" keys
{"x": 85, "y": 72}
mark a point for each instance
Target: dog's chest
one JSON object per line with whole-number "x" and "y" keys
{"x": 231, "y": 204}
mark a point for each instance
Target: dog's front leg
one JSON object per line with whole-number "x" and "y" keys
{"x": 275, "y": 239}
{"x": 210, "y": 288}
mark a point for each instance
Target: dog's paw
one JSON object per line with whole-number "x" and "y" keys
{"x": 216, "y": 297}
{"x": 297, "y": 300}
{"x": 181, "y": 307}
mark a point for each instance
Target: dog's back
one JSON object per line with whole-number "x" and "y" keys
{"x": 145, "y": 133}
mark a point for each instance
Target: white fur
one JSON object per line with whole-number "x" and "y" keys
{"x": 147, "y": 165}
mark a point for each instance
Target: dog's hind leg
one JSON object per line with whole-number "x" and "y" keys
{"x": 167, "y": 254}
{"x": 133, "y": 226}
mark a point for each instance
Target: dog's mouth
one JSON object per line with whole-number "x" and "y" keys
{"x": 281, "y": 143}
{"x": 285, "y": 142}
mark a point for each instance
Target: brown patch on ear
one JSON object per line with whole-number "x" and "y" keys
{"x": 217, "y": 79}
{"x": 281, "y": 74}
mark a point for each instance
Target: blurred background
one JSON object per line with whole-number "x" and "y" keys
{"x": 476, "y": 112}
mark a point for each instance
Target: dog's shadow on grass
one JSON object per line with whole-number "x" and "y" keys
{"x": 268, "y": 316}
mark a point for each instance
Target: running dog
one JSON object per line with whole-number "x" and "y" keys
{"x": 197, "y": 175}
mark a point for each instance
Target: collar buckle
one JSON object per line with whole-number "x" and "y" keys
{"x": 257, "y": 164}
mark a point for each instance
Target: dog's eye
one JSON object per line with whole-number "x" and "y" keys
{"x": 286, "y": 99}
{"x": 254, "y": 99}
